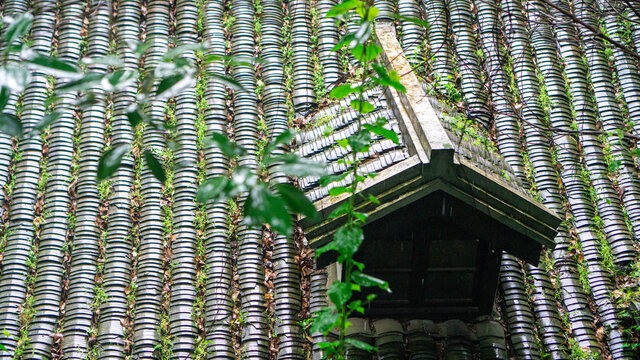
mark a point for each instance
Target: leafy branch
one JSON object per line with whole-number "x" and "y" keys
{"x": 349, "y": 237}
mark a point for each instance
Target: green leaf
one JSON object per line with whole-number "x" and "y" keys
{"x": 282, "y": 139}
{"x": 18, "y": 28}
{"x": 147, "y": 83}
{"x": 342, "y": 91}
{"x": 366, "y": 54}
{"x": 360, "y": 345}
{"x": 225, "y": 145}
{"x": 365, "y": 280}
{"x": 121, "y": 79}
{"x": 86, "y": 100}
{"x": 374, "y": 199}
{"x": 155, "y": 166}
{"x": 360, "y": 141}
{"x": 364, "y": 107}
{"x": 346, "y": 242}
{"x": 343, "y": 209}
{"x": 110, "y": 161}
{"x": 263, "y": 207}
{"x": 172, "y": 85}
{"x": 385, "y": 133}
{"x": 347, "y": 39}
{"x": 388, "y": 78}
{"x": 343, "y": 8}
{"x": 339, "y": 190}
{"x": 296, "y": 200}
{"x": 344, "y": 143}
{"x": 212, "y": 188}
{"x": 55, "y": 66}
{"x": 412, "y": 19}
{"x": 139, "y": 47}
{"x": 362, "y": 34}
{"x": 615, "y": 165}
{"x": 10, "y": 125}
{"x": 14, "y": 76}
{"x": 45, "y": 122}
{"x": 362, "y": 217}
{"x": 5, "y": 95}
{"x": 230, "y": 82}
{"x": 294, "y": 165}
{"x": 135, "y": 116}
{"x": 339, "y": 293}
{"x": 369, "y": 15}
{"x": 181, "y": 49}
{"x": 326, "y": 180}
{"x": 87, "y": 81}
{"x": 324, "y": 321}
{"x": 110, "y": 60}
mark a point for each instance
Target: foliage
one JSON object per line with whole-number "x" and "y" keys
{"x": 172, "y": 74}
{"x": 349, "y": 237}
{"x": 266, "y": 203}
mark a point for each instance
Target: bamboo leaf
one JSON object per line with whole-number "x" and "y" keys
{"x": 225, "y": 145}
{"x": 87, "y": 81}
{"x": 10, "y": 125}
{"x": 282, "y": 139}
{"x": 121, "y": 79}
{"x": 173, "y": 84}
{"x": 111, "y": 160}
{"x": 54, "y": 66}
{"x": 135, "y": 116}
{"x": 18, "y": 28}
{"x": 296, "y": 166}
{"x": 111, "y": 60}
{"x": 263, "y": 207}
{"x": 212, "y": 189}
{"x": 45, "y": 122}
{"x": 230, "y": 82}
{"x": 155, "y": 166}
{"x": 14, "y": 77}
{"x": 296, "y": 200}
{"x": 5, "y": 94}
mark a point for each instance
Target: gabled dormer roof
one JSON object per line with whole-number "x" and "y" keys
{"x": 430, "y": 158}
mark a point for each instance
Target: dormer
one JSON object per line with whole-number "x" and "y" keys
{"x": 448, "y": 207}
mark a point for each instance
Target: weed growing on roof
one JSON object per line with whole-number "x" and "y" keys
{"x": 318, "y": 79}
{"x": 578, "y": 353}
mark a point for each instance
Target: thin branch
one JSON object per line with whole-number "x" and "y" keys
{"x": 593, "y": 30}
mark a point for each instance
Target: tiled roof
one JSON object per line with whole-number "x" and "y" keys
{"x": 138, "y": 270}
